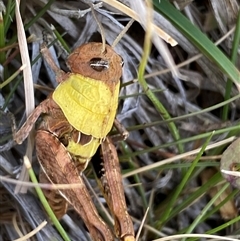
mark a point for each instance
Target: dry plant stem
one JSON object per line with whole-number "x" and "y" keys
{"x": 134, "y": 15}
{"x": 7, "y": 81}
{"x": 15, "y": 225}
{"x": 188, "y": 61}
{"x": 121, "y": 129}
{"x": 74, "y": 13}
{"x": 199, "y": 235}
{"x": 99, "y": 25}
{"x": 60, "y": 75}
{"x": 119, "y": 37}
{"x": 32, "y": 233}
{"x": 142, "y": 224}
{"x": 41, "y": 185}
{"x": 176, "y": 158}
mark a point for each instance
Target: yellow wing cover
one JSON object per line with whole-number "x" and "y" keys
{"x": 89, "y": 105}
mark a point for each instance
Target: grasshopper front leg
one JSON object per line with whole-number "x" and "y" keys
{"x": 44, "y": 107}
{"x": 111, "y": 184}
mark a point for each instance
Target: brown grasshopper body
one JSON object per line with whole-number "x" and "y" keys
{"x": 76, "y": 119}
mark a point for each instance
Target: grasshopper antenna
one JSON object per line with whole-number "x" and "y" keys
{"x": 99, "y": 25}
{"x": 125, "y": 29}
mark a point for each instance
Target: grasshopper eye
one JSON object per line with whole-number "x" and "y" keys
{"x": 99, "y": 64}
{"x": 122, "y": 62}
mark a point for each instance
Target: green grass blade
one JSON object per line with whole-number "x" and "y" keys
{"x": 185, "y": 179}
{"x": 198, "y": 39}
{"x": 234, "y": 53}
{"x": 221, "y": 227}
{"x": 34, "y": 19}
{"x": 206, "y": 208}
{"x": 126, "y": 150}
{"x": 192, "y": 198}
{"x": 9, "y": 15}
{"x": 2, "y": 38}
{"x": 44, "y": 201}
{"x": 235, "y": 129}
{"x": 215, "y": 209}
{"x": 159, "y": 107}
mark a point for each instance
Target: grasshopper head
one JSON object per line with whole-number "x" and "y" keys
{"x": 89, "y": 60}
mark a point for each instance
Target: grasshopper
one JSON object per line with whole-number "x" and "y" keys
{"x": 75, "y": 121}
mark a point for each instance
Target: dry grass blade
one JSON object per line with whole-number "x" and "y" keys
{"x": 181, "y": 236}
{"x": 134, "y": 15}
{"x": 142, "y": 224}
{"x": 28, "y": 86}
{"x": 176, "y": 158}
{"x": 32, "y": 233}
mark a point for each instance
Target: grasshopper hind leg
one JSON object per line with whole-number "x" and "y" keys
{"x": 107, "y": 168}
{"x": 59, "y": 168}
